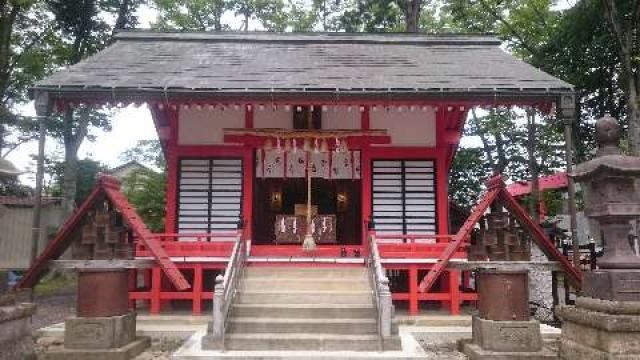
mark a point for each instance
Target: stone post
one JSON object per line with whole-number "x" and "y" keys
{"x": 605, "y": 322}
{"x": 502, "y": 329}
{"x": 16, "y": 341}
{"x": 104, "y": 327}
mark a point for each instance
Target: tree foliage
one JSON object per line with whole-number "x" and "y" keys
{"x": 145, "y": 188}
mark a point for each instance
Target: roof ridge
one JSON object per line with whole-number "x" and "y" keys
{"x": 309, "y": 37}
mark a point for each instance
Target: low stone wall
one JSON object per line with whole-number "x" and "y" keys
{"x": 16, "y": 340}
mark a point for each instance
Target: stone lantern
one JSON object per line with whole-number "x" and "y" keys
{"x": 605, "y": 323}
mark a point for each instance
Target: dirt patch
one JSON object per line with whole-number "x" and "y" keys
{"x": 53, "y": 309}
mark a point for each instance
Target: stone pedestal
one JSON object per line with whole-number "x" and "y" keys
{"x": 104, "y": 328}
{"x": 506, "y": 340}
{"x": 600, "y": 329}
{"x": 503, "y": 329}
{"x": 614, "y": 285}
{"x": 16, "y": 341}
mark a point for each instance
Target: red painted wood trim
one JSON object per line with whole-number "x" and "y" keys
{"x": 248, "y": 116}
{"x": 365, "y": 198}
{"x": 462, "y": 234}
{"x": 454, "y": 290}
{"x": 442, "y": 193}
{"x": 197, "y": 289}
{"x": 413, "y": 290}
{"x": 247, "y": 195}
{"x": 172, "y": 173}
{"x": 365, "y": 119}
{"x": 155, "y": 290}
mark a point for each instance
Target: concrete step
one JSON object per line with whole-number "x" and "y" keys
{"x": 304, "y": 297}
{"x": 247, "y": 325}
{"x": 286, "y": 284}
{"x": 308, "y": 342}
{"x": 304, "y": 271}
{"x": 301, "y": 311}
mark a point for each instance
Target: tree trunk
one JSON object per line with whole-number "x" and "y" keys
{"x": 633, "y": 114}
{"x": 413, "y": 15}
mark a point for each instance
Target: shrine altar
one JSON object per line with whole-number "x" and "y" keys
{"x": 291, "y": 229}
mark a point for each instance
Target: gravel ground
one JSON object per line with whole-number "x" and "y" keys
{"x": 52, "y": 309}
{"x": 441, "y": 346}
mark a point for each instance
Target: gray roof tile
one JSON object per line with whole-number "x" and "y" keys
{"x": 264, "y": 62}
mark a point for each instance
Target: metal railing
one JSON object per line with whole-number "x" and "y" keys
{"x": 225, "y": 289}
{"x": 382, "y": 294}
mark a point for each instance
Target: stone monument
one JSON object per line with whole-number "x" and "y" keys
{"x": 104, "y": 327}
{"x": 503, "y": 329}
{"x": 605, "y": 322}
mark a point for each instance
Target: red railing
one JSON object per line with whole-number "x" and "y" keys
{"x": 415, "y": 245}
{"x": 193, "y": 244}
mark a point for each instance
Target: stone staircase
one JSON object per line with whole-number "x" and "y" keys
{"x": 310, "y": 309}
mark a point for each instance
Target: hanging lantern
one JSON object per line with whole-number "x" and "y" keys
{"x": 306, "y": 145}
{"x": 337, "y": 145}
{"x": 287, "y": 145}
{"x": 268, "y": 144}
{"x": 278, "y": 146}
{"x": 295, "y": 146}
{"x": 316, "y": 146}
{"x": 324, "y": 147}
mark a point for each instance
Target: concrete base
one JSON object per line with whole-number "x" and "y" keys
{"x": 126, "y": 352}
{"x": 475, "y": 352}
{"x": 507, "y": 336}
{"x": 99, "y": 332}
{"x": 590, "y": 331}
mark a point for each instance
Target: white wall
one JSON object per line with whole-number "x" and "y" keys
{"x": 339, "y": 117}
{"x": 204, "y": 126}
{"x": 406, "y": 127}
{"x": 268, "y": 118}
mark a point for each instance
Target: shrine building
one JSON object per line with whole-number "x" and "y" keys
{"x": 309, "y": 147}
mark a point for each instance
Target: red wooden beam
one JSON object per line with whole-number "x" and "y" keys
{"x": 108, "y": 187}
{"x": 458, "y": 239}
{"x": 540, "y": 238}
{"x": 497, "y": 191}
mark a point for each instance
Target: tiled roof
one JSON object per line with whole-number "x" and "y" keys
{"x": 313, "y": 62}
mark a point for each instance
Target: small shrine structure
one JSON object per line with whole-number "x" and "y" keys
{"x": 336, "y": 141}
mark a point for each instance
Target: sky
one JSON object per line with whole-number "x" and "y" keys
{"x": 129, "y": 125}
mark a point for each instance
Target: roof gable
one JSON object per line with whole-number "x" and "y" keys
{"x": 107, "y": 189}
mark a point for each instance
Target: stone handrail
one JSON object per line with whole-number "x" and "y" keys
{"x": 381, "y": 292}
{"x": 225, "y": 288}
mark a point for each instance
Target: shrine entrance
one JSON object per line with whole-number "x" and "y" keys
{"x": 280, "y": 211}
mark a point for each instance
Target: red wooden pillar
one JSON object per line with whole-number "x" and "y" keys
{"x": 365, "y": 168}
{"x": 413, "y": 290}
{"x": 247, "y": 180}
{"x": 172, "y": 173}
{"x": 445, "y": 287}
{"x": 454, "y": 290}
{"x": 365, "y": 173}
{"x": 132, "y": 286}
{"x": 156, "y": 283}
{"x": 247, "y": 196}
{"x": 197, "y": 289}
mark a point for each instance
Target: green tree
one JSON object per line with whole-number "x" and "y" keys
{"x": 24, "y": 58}
{"x": 145, "y": 188}
{"x": 88, "y": 170}
{"x": 83, "y": 27}
{"x": 196, "y": 15}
